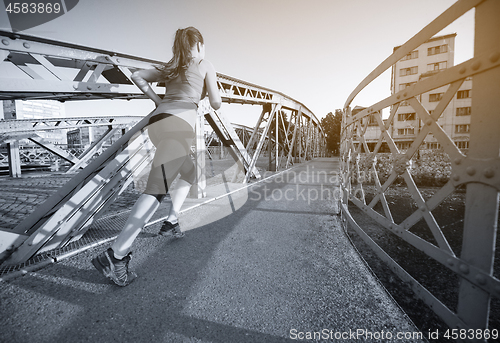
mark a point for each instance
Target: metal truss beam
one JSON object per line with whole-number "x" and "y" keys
{"x": 73, "y": 72}
{"x": 12, "y": 126}
{"x": 57, "y": 151}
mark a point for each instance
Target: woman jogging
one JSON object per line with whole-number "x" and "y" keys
{"x": 188, "y": 77}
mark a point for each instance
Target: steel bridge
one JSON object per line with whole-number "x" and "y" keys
{"x": 12, "y": 131}
{"x": 53, "y": 70}
{"x": 478, "y": 172}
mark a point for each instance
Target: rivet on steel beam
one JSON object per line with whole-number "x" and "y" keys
{"x": 471, "y": 170}
{"x": 462, "y": 70}
{"x": 89, "y": 87}
{"x": 428, "y": 122}
{"x": 464, "y": 268}
{"x": 481, "y": 279}
{"x": 456, "y": 177}
{"x": 476, "y": 65}
{"x": 117, "y": 60}
{"x": 75, "y": 87}
{"x": 489, "y": 173}
{"x": 405, "y": 94}
{"x": 494, "y": 57}
{"x": 458, "y": 161}
{"x": 423, "y": 208}
{"x": 5, "y": 42}
{"x": 450, "y": 262}
{"x": 398, "y": 96}
{"x": 26, "y": 45}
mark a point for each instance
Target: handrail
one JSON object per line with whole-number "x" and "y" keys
{"x": 477, "y": 169}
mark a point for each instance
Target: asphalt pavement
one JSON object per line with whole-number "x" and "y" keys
{"x": 267, "y": 263}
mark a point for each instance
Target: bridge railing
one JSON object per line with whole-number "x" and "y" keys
{"x": 364, "y": 206}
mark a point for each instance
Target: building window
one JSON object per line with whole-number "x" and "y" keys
{"x": 406, "y": 131}
{"x": 433, "y": 146}
{"x": 462, "y": 145}
{"x": 463, "y": 111}
{"x": 440, "y": 49}
{"x": 405, "y": 85}
{"x": 437, "y": 66}
{"x": 435, "y": 97}
{"x": 372, "y": 120}
{"x": 463, "y": 94}
{"x": 463, "y": 128}
{"x": 408, "y": 71}
{"x": 410, "y": 56}
{"x": 403, "y": 146}
{"x": 406, "y": 116}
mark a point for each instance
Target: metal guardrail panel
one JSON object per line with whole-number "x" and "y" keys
{"x": 478, "y": 170}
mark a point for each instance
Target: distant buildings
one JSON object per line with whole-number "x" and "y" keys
{"x": 430, "y": 58}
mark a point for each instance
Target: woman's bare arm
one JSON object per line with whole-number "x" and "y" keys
{"x": 211, "y": 84}
{"x": 142, "y": 78}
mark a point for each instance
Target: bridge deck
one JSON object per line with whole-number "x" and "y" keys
{"x": 254, "y": 266}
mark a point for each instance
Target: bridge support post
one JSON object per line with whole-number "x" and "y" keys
{"x": 481, "y": 203}
{"x": 14, "y": 159}
{"x": 276, "y": 141}
{"x": 293, "y": 144}
{"x": 270, "y": 147}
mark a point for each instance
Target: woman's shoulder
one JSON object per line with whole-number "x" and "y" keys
{"x": 205, "y": 66}
{"x": 204, "y": 62}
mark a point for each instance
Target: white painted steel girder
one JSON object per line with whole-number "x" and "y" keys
{"x": 102, "y": 74}
{"x": 30, "y": 125}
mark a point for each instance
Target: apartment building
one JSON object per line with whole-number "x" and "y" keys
{"x": 430, "y": 58}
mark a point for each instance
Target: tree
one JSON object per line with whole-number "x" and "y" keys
{"x": 331, "y": 126}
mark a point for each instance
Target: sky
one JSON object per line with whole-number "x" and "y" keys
{"x": 315, "y": 51}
